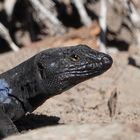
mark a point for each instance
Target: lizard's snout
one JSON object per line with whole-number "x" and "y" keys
{"x": 106, "y": 60}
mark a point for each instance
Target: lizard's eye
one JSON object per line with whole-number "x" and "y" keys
{"x": 74, "y": 57}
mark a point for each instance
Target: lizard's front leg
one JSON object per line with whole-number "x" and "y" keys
{"x": 7, "y": 127}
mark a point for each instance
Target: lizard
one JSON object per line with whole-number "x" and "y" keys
{"x": 48, "y": 73}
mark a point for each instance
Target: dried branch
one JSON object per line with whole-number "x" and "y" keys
{"x": 103, "y": 25}
{"x": 112, "y": 102}
{"x": 82, "y": 12}
{"x": 9, "y": 7}
{"x": 4, "y": 33}
{"x": 47, "y": 18}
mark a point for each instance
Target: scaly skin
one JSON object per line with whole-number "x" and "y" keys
{"x": 45, "y": 75}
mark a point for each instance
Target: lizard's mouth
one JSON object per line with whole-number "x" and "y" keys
{"x": 89, "y": 70}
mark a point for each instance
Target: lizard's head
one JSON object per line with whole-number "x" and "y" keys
{"x": 61, "y": 68}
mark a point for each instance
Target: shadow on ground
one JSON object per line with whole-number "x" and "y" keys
{"x": 33, "y": 121}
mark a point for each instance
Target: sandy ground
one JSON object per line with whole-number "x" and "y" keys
{"x": 92, "y": 102}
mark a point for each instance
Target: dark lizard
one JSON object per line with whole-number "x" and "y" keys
{"x": 51, "y": 72}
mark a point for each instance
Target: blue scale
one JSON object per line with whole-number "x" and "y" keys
{"x": 4, "y": 90}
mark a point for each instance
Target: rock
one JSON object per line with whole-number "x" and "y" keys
{"x": 113, "y": 131}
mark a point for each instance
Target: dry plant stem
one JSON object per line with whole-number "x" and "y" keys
{"x": 112, "y": 103}
{"x": 134, "y": 16}
{"x": 103, "y": 25}
{"x": 47, "y": 18}
{"x": 82, "y": 11}
{"x": 9, "y": 7}
{"x": 4, "y": 33}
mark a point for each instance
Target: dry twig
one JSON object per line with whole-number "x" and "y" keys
{"x": 112, "y": 102}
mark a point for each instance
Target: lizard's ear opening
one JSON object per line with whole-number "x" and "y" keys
{"x": 41, "y": 70}
{"x": 74, "y": 58}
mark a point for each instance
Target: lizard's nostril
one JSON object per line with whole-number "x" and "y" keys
{"x": 107, "y": 60}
